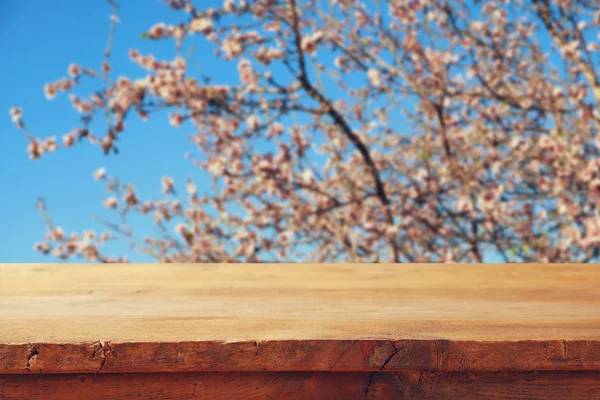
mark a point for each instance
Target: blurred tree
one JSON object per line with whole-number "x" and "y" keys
{"x": 398, "y": 130}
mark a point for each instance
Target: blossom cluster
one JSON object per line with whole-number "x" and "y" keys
{"x": 407, "y": 132}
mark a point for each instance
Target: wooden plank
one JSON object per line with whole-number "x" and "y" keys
{"x": 301, "y": 355}
{"x": 303, "y": 385}
{"x": 300, "y": 317}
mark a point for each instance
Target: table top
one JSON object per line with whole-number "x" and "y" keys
{"x": 190, "y": 317}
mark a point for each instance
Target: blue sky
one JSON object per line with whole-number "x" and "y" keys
{"x": 40, "y": 40}
{"x": 43, "y": 38}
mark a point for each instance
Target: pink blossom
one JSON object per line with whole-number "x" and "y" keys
{"x": 50, "y": 91}
{"x": 131, "y": 198}
{"x": 176, "y": 120}
{"x": 232, "y": 47}
{"x": 168, "y": 186}
{"x": 309, "y": 43}
{"x": 111, "y": 202}
{"x": 134, "y": 54}
{"x": 340, "y": 62}
{"x": 179, "y": 63}
{"x": 191, "y": 188}
{"x": 50, "y": 144}
{"x": 35, "y": 149}
{"x": 307, "y": 176}
{"x": 202, "y": 25}
{"x": 58, "y": 234}
{"x": 107, "y": 144}
{"x": 592, "y": 235}
{"x": 42, "y": 247}
{"x": 99, "y": 174}
{"x": 275, "y": 129}
{"x": 176, "y": 205}
{"x": 181, "y": 228}
{"x": 477, "y": 26}
{"x": 74, "y": 70}
{"x": 374, "y": 77}
{"x": 570, "y": 50}
{"x": 253, "y": 122}
{"x": 158, "y": 31}
{"x": 594, "y": 189}
{"x": 229, "y": 6}
{"x": 69, "y": 139}
{"x": 16, "y": 114}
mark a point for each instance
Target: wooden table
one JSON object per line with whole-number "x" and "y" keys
{"x": 336, "y": 331}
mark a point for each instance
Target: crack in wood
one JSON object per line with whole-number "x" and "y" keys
{"x": 104, "y": 354}
{"x": 342, "y": 355}
{"x": 32, "y": 358}
{"x": 396, "y": 351}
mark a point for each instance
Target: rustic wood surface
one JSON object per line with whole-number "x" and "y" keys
{"x": 73, "y": 318}
{"x": 562, "y": 385}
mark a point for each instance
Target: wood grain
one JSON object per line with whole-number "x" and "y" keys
{"x": 73, "y": 318}
{"x": 301, "y": 355}
{"x": 305, "y": 385}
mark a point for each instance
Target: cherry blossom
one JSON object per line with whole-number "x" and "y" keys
{"x": 100, "y": 173}
{"x": 421, "y": 131}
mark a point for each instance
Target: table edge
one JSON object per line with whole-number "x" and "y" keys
{"x": 364, "y": 354}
